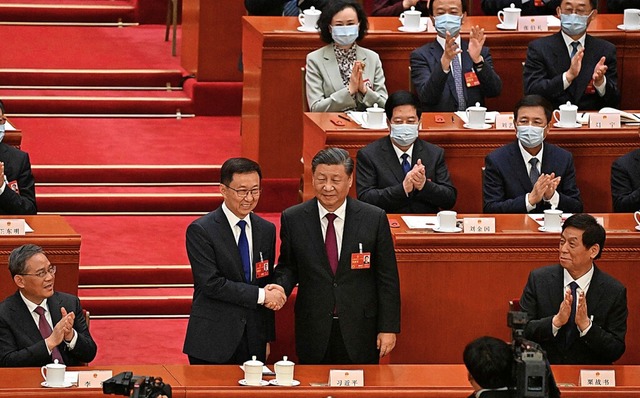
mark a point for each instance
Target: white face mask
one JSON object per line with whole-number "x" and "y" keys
{"x": 2, "y": 132}
{"x": 404, "y": 134}
{"x": 345, "y": 35}
{"x": 530, "y": 136}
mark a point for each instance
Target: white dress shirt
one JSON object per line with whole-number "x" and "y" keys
{"x": 583, "y": 283}
{"x": 526, "y": 156}
{"x": 47, "y": 314}
{"x": 338, "y": 223}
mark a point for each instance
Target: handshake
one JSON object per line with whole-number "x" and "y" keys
{"x": 274, "y": 298}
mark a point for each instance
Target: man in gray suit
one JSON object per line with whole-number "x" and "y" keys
{"x": 232, "y": 254}
{"x": 347, "y": 308}
{"x": 401, "y": 173}
{"x": 578, "y": 314}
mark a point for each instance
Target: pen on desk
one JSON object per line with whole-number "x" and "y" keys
{"x": 341, "y": 116}
{"x": 453, "y": 120}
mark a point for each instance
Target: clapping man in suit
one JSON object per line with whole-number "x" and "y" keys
{"x": 625, "y": 182}
{"x": 17, "y": 185}
{"x": 451, "y": 74}
{"x": 530, "y": 175}
{"x": 578, "y": 313}
{"x": 572, "y": 65}
{"x": 37, "y": 324}
{"x": 232, "y": 254}
{"x": 347, "y": 309}
{"x": 401, "y": 173}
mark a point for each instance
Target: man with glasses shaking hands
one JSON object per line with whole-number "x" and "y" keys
{"x": 37, "y": 324}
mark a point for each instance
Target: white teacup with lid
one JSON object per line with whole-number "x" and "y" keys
{"x": 53, "y": 374}
{"x": 567, "y": 115}
{"x": 411, "y": 18}
{"x": 253, "y": 372}
{"x": 309, "y": 18}
{"x": 475, "y": 116}
{"x": 284, "y": 371}
{"x": 374, "y": 116}
{"x": 508, "y": 16}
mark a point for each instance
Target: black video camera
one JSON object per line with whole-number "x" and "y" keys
{"x": 127, "y": 384}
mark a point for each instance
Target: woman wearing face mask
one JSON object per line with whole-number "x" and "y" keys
{"x": 343, "y": 76}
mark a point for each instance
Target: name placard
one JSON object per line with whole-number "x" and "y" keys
{"x": 479, "y": 225}
{"x": 504, "y": 122}
{"x": 604, "y": 121}
{"x": 93, "y": 378}
{"x": 12, "y": 227}
{"x": 597, "y": 378}
{"x": 346, "y": 378}
{"x": 533, "y": 23}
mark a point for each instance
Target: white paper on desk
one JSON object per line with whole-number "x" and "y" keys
{"x": 552, "y": 21}
{"x": 71, "y": 377}
{"x": 265, "y": 371}
{"x": 420, "y": 222}
{"x": 358, "y": 117}
{"x": 489, "y": 117}
{"x": 625, "y": 117}
{"x": 9, "y": 127}
{"x": 583, "y": 118}
{"x": 27, "y": 228}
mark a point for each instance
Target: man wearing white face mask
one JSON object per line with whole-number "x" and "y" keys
{"x": 17, "y": 186}
{"x": 451, "y": 74}
{"x": 343, "y": 76}
{"x": 401, "y": 173}
{"x": 530, "y": 175}
{"x": 572, "y": 65}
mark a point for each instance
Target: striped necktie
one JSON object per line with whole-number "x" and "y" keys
{"x": 457, "y": 78}
{"x": 291, "y": 8}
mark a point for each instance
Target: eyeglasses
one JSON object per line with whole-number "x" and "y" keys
{"x": 243, "y": 193}
{"x": 43, "y": 272}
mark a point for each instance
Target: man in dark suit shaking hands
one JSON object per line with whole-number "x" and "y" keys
{"x": 347, "y": 310}
{"x": 37, "y": 324}
{"x": 232, "y": 254}
{"x": 578, "y": 313}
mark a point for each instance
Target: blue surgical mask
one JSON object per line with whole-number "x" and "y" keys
{"x": 404, "y": 134}
{"x": 530, "y": 136}
{"x": 574, "y": 24}
{"x": 1, "y": 132}
{"x": 345, "y": 35}
{"x": 448, "y": 23}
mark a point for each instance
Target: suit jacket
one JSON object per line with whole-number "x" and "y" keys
{"x": 327, "y": 93}
{"x": 606, "y": 303}
{"x": 380, "y": 175}
{"x": 506, "y": 181}
{"x": 367, "y": 301}
{"x": 494, "y": 394}
{"x": 21, "y": 343}
{"x": 491, "y": 7}
{"x": 395, "y": 8}
{"x": 224, "y": 304}
{"x": 17, "y": 168}
{"x": 625, "y": 182}
{"x": 548, "y": 58}
{"x": 437, "y": 89}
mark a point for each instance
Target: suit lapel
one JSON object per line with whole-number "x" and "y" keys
{"x": 331, "y": 68}
{"x": 224, "y": 233}
{"x": 519, "y": 168}
{"x": 436, "y": 53}
{"x": 349, "y": 236}
{"x": 591, "y": 57}
{"x": 314, "y": 231}
{"x": 556, "y": 287}
{"x": 595, "y": 294}
{"x": 22, "y": 316}
{"x": 389, "y": 158}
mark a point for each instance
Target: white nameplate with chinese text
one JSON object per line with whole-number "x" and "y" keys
{"x": 597, "y": 378}
{"x": 11, "y": 227}
{"x": 604, "y": 121}
{"x": 504, "y": 122}
{"x": 533, "y": 23}
{"x": 480, "y": 225}
{"x": 346, "y": 378}
{"x": 93, "y": 378}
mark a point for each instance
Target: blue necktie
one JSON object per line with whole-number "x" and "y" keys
{"x": 575, "y": 45}
{"x": 457, "y": 78}
{"x": 572, "y": 330}
{"x": 243, "y": 248}
{"x": 405, "y": 163}
{"x": 534, "y": 174}
{"x": 291, "y": 9}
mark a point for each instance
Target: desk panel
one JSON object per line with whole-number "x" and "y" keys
{"x": 593, "y": 151}
{"x": 456, "y": 287}
{"x": 60, "y": 243}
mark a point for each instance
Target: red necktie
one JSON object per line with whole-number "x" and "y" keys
{"x": 45, "y": 331}
{"x": 331, "y": 243}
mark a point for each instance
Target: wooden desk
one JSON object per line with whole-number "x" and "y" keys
{"x": 456, "y": 287}
{"x": 465, "y": 150}
{"x": 274, "y": 51}
{"x": 60, "y": 243}
{"x": 13, "y": 135}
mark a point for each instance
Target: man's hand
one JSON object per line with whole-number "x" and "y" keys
{"x": 274, "y": 298}
{"x": 386, "y": 342}
{"x": 1, "y": 171}
{"x": 407, "y": 183}
{"x": 419, "y": 177}
{"x": 582, "y": 317}
{"x": 598, "y": 72}
{"x": 268, "y": 350}
{"x": 71, "y": 317}
{"x": 406, "y": 4}
{"x": 476, "y": 41}
{"x": 562, "y": 317}
{"x": 60, "y": 331}
{"x": 576, "y": 65}
{"x": 451, "y": 50}
{"x": 538, "y": 190}
{"x": 552, "y": 185}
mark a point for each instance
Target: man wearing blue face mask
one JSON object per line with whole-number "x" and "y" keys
{"x": 451, "y": 74}
{"x": 401, "y": 173}
{"x": 17, "y": 186}
{"x": 530, "y": 175}
{"x": 572, "y": 65}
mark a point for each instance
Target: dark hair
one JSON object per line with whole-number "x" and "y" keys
{"x": 333, "y": 156}
{"x": 489, "y": 361}
{"x": 463, "y": 2}
{"x": 592, "y": 231}
{"x": 594, "y": 4}
{"x": 334, "y": 7}
{"x": 1, "y": 107}
{"x": 19, "y": 257}
{"x": 238, "y": 166}
{"x": 400, "y": 98}
{"x": 534, "y": 100}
